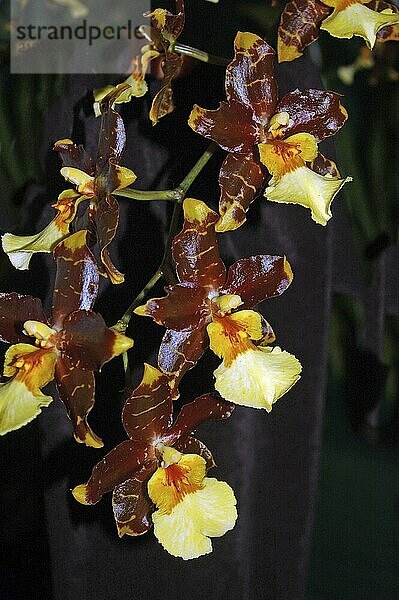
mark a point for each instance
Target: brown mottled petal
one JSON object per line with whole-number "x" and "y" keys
{"x": 174, "y": 24}
{"x": 74, "y": 155}
{"x": 180, "y": 351}
{"x": 195, "y": 248}
{"x": 112, "y": 137}
{"x": 190, "y": 445}
{"x": 131, "y": 504}
{"x": 106, "y": 218}
{"x": 184, "y": 307}
{"x": 15, "y": 309}
{"x": 76, "y": 283}
{"x": 390, "y": 33}
{"x": 250, "y": 75}
{"x": 232, "y": 126}
{"x": 240, "y": 179}
{"x": 162, "y": 103}
{"x": 168, "y": 24}
{"x": 313, "y": 111}
{"x": 204, "y": 408}
{"x": 257, "y": 278}
{"x": 76, "y": 390}
{"x": 87, "y": 342}
{"x": 117, "y": 466}
{"x": 324, "y": 166}
{"x": 147, "y": 413}
{"x": 299, "y": 27}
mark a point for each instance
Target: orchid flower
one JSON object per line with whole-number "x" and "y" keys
{"x": 70, "y": 345}
{"x": 165, "y": 31}
{"x": 94, "y": 182}
{"x": 201, "y": 310}
{"x": 301, "y": 21}
{"x": 162, "y": 466}
{"x": 264, "y": 135}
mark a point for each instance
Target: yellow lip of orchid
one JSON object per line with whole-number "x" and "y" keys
{"x": 293, "y": 182}
{"x": 21, "y": 399}
{"x": 192, "y": 508}
{"x": 250, "y": 375}
{"x": 308, "y": 189}
{"x": 351, "y": 17}
{"x": 20, "y": 248}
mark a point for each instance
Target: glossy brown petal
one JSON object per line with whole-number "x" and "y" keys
{"x": 117, "y": 466}
{"x": 147, "y": 413}
{"x": 76, "y": 283}
{"x": 106, "y": 218}
{"x": 299, "y": 27}
{"x": 240, "y": 179}
{"x": 112, "y": 137}
{"x": 162, "y": 103}
{"x": 169, "y": 25}
{"x": 76, "y": 390}
{"x": 131, "y": 504}
{"x": 180, "y": 351}
{"x": 203, "y": 408}
{"x": 184, "y": 307}
{"x": 74, "y": 155}
{"x": 250, "y": 75}
{"x": 390, "y": 33}
{"x": 195, "y": 249}
{"x": 313, "y": 111}
{"x": 15, "y": 309}
{"x": 232, "y": 126}
{"x": 190, "y": 445}
{"x": 257, "y": 278}
{"x": 324, "y": 166}
{"x": 87, "y": 342}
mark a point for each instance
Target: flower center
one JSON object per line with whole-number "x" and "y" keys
{"x": 43, "y": 334}
{"x": 179, "y": 476}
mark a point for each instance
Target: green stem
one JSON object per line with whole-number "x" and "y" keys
{"x": 201, "y": 55}
{"x": 172, "y": 195}
{"x": 164, "y": 268}
{"x": 123, "y": 322}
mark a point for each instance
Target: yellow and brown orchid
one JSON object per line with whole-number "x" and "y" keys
{"x": 165, "y": 31}
{"x": 301, "y": 21}
{"x": 264, "y": 135}
{"x": 162, "y": 466}
{"x": 96, "y": 180}
{"x": 70, "y": 346}
{"x": 201, "y": 310}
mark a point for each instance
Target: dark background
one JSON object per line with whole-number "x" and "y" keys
{"x": 345, "y": 291}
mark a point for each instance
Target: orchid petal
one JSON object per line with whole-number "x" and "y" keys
{"x": 232, "y": 126}
{"x": 195, "y": 249}
{"x": 207, "y": 510}
{"x": 250, "y": 76}
{"x": 21, "y": 399}
{"x": 359, "y": 20}
{"x": 307, "y": 188}
{"x": 19, "y": 248}
{"x": 299, "y": 27}
{"x": 257, "y": 377}
{"x": 240, "y": 179}
{"x": 147, "y": 413}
